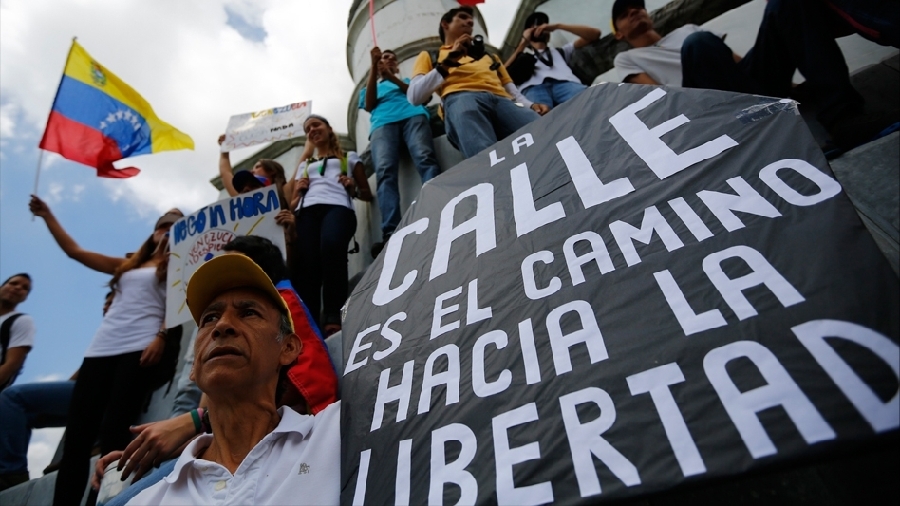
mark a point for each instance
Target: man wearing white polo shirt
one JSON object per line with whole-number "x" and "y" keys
{"x": 255, "y": 454}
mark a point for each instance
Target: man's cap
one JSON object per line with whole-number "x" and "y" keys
{"x": 535, "y": 19}
{"x": 227, "y": 272}
{"x": 168, "y": 218}
{"x": 244, "y": 177}
{"x": 620, "y": 6}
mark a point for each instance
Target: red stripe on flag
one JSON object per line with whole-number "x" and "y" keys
{"x": 312, "y": 374}
{"x": 80, "y": 143}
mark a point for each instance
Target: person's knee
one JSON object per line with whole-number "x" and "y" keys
{"x": 699, "y": 46}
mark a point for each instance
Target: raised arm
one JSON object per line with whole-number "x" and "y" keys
{"x": 372, "y": 83}
{"x": 523, "y": 43}
{"x": 226, "y": 171}
{"x": 586, "y": 34}
{"x": 89, "y": 259}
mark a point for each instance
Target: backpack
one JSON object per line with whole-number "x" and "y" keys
{"x": 522, "y": 67}
{"x": 5, "y": 335}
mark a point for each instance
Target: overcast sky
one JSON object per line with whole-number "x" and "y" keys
{"x": 197, "y": 62}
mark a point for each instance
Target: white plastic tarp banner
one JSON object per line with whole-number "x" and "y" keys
{"x": 265, "y": 126}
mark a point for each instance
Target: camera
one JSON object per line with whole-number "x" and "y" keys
{"x": 544, "y": 37}
{"x": 476, "y": 48}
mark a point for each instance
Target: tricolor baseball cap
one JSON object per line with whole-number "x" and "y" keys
{"x": 227, "y": 272}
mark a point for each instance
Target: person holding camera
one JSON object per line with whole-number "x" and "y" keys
{"x": 394, "y": 123}
{"x": 543, "y": 75}
{"x": 479, "y": 98}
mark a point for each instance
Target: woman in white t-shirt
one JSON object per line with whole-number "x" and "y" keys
{"x": 325, "y": 219}
{"x": 113, "y": 380}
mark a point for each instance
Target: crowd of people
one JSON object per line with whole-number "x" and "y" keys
{"x": 257, "y": 414}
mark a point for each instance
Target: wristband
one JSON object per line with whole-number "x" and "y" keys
{"x": 195, "y": 416}
{"x": 442, "y": 71}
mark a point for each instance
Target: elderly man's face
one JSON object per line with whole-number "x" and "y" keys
{"x": 237, "y": 342}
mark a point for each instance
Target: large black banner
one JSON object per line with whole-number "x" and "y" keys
{"x": 648, "y": 286}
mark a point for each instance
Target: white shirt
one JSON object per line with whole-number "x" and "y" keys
{"x": 661, "y": 61}
{"x": 135, "y": 316}
{"x": 325, "y": 188}
{"x": 21, "y": 334}
{"x": 298, "y": 463}
{"x": 559, "y": 71}
{"x": 22, "y": 331}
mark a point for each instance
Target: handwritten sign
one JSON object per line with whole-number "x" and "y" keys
{"x": 265, "y": 126}
{"x": 199, "y": 237}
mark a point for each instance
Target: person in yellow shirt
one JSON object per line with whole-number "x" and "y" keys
{"x": 480, "y": 102}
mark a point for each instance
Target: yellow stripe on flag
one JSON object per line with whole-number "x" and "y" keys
{"x": 81, "y": 67}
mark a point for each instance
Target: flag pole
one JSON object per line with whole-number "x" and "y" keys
{"x": 37, "y": 175}
{"x": 372, "y": 20}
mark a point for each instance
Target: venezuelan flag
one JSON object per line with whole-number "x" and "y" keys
{"x": 97, "y": 119}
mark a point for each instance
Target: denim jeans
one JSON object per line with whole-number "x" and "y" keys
{"x": 476, "y": 120}
{"x": 553, "y": 93}
{"x": 320, "y": 276}
{"x": 386, "y": 141}
{"x": 794, "y": 34}
{"x": 29, "y": 406}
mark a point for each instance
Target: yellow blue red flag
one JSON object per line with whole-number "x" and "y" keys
{"x": 97, "y": 119}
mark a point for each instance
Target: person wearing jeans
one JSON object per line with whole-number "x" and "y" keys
{"x": 394, "y": 123}
{"x": 793, "y": 35}
{"x": 552, "y": 81}
{"x": 476, "y": 90}
{"x": 23, "y": 408}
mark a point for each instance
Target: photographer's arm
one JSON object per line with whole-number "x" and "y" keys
{"x": 422, "y": 86}
{"x": 523, "y": 43}
{"x": 586, "y": 34}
